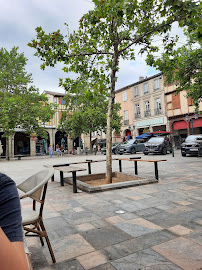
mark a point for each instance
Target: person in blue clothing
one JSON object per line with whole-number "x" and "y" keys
{"x": 50, "y": 148}
{"x": 12, "y": 253}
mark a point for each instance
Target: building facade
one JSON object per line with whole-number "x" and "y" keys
{"x": 143, "y": 106}
{"x": 181, "y": 116}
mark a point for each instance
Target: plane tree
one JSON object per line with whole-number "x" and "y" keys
{"x": 21, "y": 104}
{"x": 112, "y": 31}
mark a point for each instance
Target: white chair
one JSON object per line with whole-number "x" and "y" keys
{"x": 35, "y": 188}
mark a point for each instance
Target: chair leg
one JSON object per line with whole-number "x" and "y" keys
{"x": 41, "y": 238}
{"x": 48, "y": 241}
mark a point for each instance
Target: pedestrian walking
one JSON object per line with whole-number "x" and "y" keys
{"x": 62, "y": 150}
{"x": 50, "y": 148}
{"x": 57, "y": 150}
{"x": 95, "y": 149}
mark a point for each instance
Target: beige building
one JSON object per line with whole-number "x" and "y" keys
{"x": 143, "y": 106}
{"x": 181, "y": 116}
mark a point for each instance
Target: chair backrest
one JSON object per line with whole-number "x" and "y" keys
{"x": 33, "y": 185}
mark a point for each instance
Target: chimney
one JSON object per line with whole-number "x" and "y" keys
{"x": 141, "y": 78}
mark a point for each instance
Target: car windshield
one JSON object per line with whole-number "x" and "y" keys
{"x": 156, "y": 140}
{"x": 192, "y": 138}
{"x": 131, "y": 141}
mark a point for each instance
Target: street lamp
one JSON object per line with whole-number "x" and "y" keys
{"x": 192, "y": 120}
{"x": 131, "y": 128}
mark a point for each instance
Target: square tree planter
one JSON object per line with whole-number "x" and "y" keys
{"x": 95, "y": 182}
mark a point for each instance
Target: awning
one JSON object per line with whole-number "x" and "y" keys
{"x": 180, "y": 125}
{"x": 161, "y": 132}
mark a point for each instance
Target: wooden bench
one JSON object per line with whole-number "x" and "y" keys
{"x": 135, "y": 160}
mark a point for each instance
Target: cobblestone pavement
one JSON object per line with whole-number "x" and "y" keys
{"x": 161, "y": 227}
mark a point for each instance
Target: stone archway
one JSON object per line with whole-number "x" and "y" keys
{"x": 42, "y": 144}
{"x": 61, "y": 138}
{"x": 21, "y": 144}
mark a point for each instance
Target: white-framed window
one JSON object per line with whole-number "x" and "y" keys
{"x": 158, "y": 104}
{"x": 147, "y": 106}
{"x": 125, "y": 115}
{"x": 156, "y": 84}
{"x": 137, "y": 109}
{"x": 136, "y": 91}
{"x": 146, "y": 88}
{"x": 125, "y": 96}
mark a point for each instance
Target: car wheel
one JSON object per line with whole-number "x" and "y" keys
{"x": 183, "y": 154}
{"x": 164, "y": 151}
{"x": 120, "y": 153}
{"x": 146, "y": 153}
{"x": 133, "y": 151}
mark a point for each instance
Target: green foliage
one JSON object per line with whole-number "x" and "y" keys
{"x": 88, "y": 113}
{"x": 20, "y": 105}
{"x": 113, "y": 30}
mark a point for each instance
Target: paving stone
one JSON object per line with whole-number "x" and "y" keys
{"x": 166, "y": 220}
{"x": 137, "y": 227}
{"x": 147, "y": 212}
{"x": 183, "y": 252}
{"x": 75, "y": 218}
{"x": 68, "y": 265}
{"x": 114, "y": 219}
{"x": 69, "y": 247}
{"x": 93, "y": 259}
{"x": 105, "y": 236}
{"x": 106, "y": 266}
{"x": 179, "y": 230}
{"x": 196, "y": 237}
{"x": 37, "y": 258}
{"x": 146, "y": 259}
{"x": 55, "y": 223}
{"x": 85, "y": 227}
{"x": 134, "y": 245}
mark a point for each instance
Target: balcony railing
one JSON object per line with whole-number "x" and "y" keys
{"x": 126, "y": 122}
{"x": 137, "y": 115}
{"x": 147, "y": 113}
{"x": 158, "y": 111}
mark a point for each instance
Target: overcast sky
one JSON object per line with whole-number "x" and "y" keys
{"x": 18, "y": 20}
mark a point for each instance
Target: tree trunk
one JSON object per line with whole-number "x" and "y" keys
{"x": 7, "y": 148}
{"x": 109, "y": 119}
{"x": 90, "y": 148}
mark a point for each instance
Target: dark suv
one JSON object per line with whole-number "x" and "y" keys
{"x": 192, "y": 145}
{"x": 158, "y": 145}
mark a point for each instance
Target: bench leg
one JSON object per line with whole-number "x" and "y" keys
{"x": 136, "y": 171}
{"x": 120, "y": 166}
{"x": 52, "y": 178}
{"x": 156, "y": 170}
{"x": 61, "y": 179}
{"x": 89, "y": 168}
{"x": 74, "y": 182}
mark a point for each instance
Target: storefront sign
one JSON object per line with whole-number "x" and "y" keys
{"x": 151, "y": 122}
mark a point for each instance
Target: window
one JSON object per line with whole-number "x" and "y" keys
{"x": 125, "y": 115}
{"x": 146, "y": 88}
{"x": 147, "y": 106}
{"x": 136, "y": 91}
{"x": 126, "y": 121}
{"x": 156, "y": 84}
{"x": 137, "y": 109}
{"x": 147, "y": 110}
{"x": 176, "y": 101}
{"x": 158, "y": 106}
{"x": 125, "y": 96}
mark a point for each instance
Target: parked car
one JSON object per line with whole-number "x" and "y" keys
{"x": 131, "y": 146}
{"x": 114, "y": 149}
{"x": 192, "y": 145}
{"x": 158, "y": 145}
